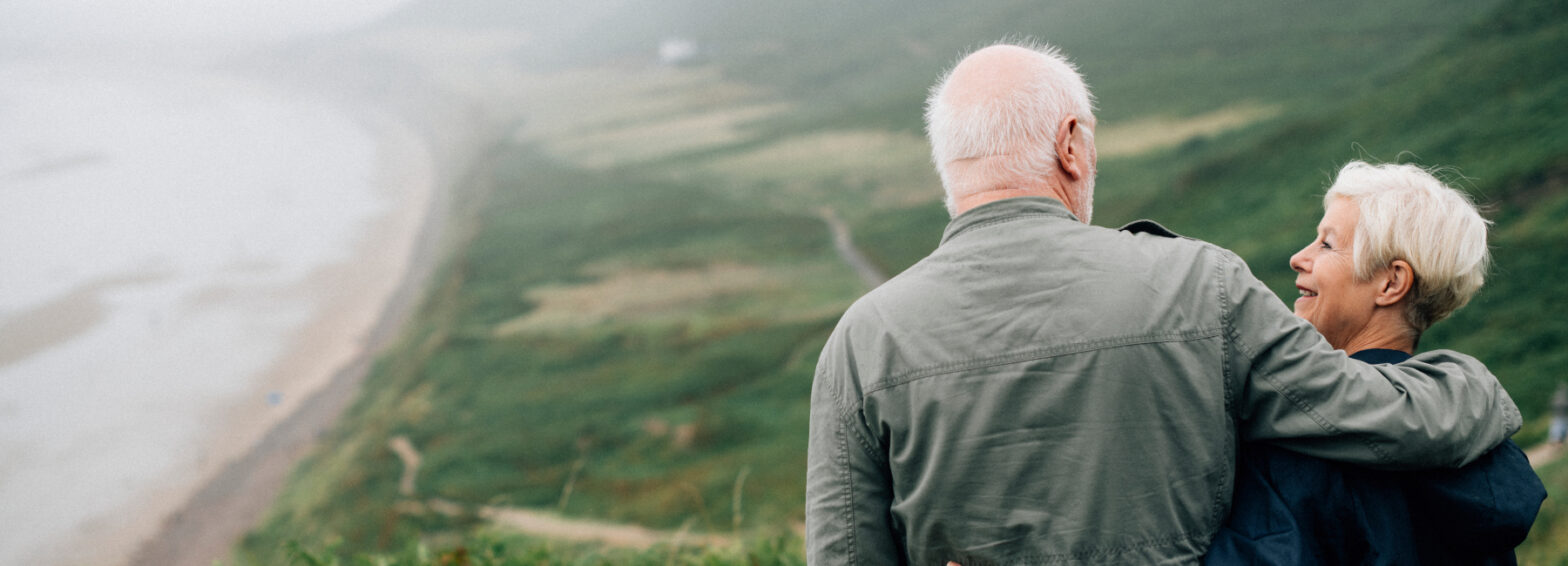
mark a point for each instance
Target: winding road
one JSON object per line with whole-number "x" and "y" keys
{"x": 845, "y": 245}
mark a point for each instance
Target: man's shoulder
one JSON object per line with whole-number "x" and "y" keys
{"x": 1141, "y": 246}
{"x": 1141, "y": 251}
{"x": 899, "y": 294}
{"x": 1153, "y": 233}
{"x": 1166, "y": 248}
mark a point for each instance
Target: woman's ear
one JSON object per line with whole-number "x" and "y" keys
{"x": 1396, "y": 282}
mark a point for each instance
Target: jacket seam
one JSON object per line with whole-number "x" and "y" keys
{"x": 1040, "y": 354}
{"x": 1232, "y": 408}
{"x": 846, "y": 414}
{"x": 847, "y": 419}
{"x": 848, "y": 477}
{"x": 1305, "y": 406}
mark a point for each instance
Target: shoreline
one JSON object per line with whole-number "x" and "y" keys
{"x": 432, "y": 132}
{"x": 456, "y": 123}
{"x": 325, "y": 363}
{"x": 247, "y": 430}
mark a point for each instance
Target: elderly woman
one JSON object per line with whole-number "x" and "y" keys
{"x": 1396, "y": 251}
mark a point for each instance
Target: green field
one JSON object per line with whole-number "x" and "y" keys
{"x": 629, "y": 332}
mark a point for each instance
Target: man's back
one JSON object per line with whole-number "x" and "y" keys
{"x": 1033, "y": 352}
{"x": 1043, "y": 391}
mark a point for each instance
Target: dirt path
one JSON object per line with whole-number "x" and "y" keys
{"x": 845, "y": 245}
{"x": 553, "y": 526}
{"x": 1544, "y": 453}
{"x": 539, "y": 523}
{"x": 405, "y": 451}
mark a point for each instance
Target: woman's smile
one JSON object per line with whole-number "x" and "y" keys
{"x": 1331, "y": 297}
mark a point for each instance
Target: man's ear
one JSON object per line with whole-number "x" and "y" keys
{"x": 1072, "y": 150}
{"x": 1396, "y": 282}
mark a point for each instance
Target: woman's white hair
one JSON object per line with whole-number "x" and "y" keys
{"x": 1407, "y": 213}
{"x": 1021, "y": 124}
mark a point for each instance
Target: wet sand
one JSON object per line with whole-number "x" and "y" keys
{"x": 39, "y": 328}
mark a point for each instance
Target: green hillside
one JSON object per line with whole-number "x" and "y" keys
{"x": 1490, "y": 104}
{"x": 630, "y": 333}
{"x": 1493, "y": 104}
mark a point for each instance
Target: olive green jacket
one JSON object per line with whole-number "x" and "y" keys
{"x": 1041, "y": 391}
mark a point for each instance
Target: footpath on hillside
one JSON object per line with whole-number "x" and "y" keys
{"x": 535, "y": 522}
{"x": 844, "y": 244}
{"x": 1544, "y": 453}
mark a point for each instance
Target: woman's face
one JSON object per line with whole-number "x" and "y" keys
{"x": 1331, "y": 298}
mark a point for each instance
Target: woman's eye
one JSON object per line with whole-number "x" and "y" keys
{"x": 1325, "y": 245}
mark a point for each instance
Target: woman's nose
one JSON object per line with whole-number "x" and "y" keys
{"x": 1298, "y": 261}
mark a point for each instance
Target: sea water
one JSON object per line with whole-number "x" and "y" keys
{"x": 156, "y": 227}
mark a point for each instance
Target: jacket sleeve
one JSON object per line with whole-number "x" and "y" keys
{"x": 1440, "y": 409}
{"x": 849, "y": 491}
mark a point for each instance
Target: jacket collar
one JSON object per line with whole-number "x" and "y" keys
{"x": 1004, "y": 210}
{"x": 1380, "y": 356}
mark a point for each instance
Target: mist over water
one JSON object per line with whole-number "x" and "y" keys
{"x": 160, "y": 226}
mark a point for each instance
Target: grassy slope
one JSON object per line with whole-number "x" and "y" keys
{"x": 870, "y": 62}
{"x": 1547, "y": 544}
{"x": 1506, "y": 128}
{"x": 503, "y": 419}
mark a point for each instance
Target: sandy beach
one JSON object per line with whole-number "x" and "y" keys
{"x": 429, "y": 145}
{"x": 256, "y": 446}
{"x": 220, "y": 438}
{"x": 245, "y": 446}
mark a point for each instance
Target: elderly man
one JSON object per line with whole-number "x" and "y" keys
{"x": 1039, "y": 390}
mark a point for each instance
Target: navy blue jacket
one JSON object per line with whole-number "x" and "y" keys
{"x": 1291, "y": 509}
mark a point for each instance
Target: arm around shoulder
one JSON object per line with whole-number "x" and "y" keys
{"x": 1438, "y": 409}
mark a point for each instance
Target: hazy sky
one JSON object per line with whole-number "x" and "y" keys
{"x": 77, "y": 22}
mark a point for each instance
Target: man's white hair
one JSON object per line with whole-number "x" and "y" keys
{"x": 1408, "y": 214}
{"x": 1021, "y": 124}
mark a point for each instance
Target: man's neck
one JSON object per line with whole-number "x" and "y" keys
{"x": 973, "y": 200}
